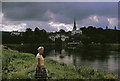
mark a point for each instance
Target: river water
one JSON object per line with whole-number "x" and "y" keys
{"x": 98, "y": 59}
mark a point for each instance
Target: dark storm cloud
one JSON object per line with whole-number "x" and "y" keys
{"x": 24, "y": 11}
{"x": 63, "y": 12}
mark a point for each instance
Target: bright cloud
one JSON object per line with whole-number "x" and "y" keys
{"x": 58, "y": 26}
{"x": 17, "y": 27}
{"x": 112, "y": 22}
{"x": 94, "y": 18}
{"x": 99, "y": 21}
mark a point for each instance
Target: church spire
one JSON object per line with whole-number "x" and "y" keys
{"x": 74, "y": 28}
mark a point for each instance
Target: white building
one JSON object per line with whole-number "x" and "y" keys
{"x": 16, "y": 33}
{"x": 75, "y": 31}
{"x": 63, "y": 37}
{"x": 52, "y": 38}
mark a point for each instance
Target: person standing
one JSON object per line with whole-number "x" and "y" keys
{"x": 40, "y": 69}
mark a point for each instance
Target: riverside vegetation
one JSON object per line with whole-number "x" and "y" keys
{"x": 19, "y": 65}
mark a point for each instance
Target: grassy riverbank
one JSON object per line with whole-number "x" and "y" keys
{"x": 17, "y": 65}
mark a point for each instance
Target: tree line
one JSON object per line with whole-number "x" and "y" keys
{"x": 89, "y": 35}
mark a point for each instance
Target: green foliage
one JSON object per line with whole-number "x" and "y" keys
{"x": 17, "y": 65}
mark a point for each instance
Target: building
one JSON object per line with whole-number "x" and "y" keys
{"x": 62, "y": 37}
{"x": 75, "y": 31}
{"x": 16, "y": 33}
{"x": 52, "y": 37}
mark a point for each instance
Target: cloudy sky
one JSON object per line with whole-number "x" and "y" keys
{"x": 53, "y": 16}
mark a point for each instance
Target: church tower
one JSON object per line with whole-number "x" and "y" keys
{"x": 74, "y": 28}
{"x": 75, "y": 31}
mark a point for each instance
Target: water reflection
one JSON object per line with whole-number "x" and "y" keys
{"x": 99, "y": 59}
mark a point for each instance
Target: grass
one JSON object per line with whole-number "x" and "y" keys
{"x": 17, "y": 65}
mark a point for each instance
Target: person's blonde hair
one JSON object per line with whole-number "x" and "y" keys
{"x": 39, "y": 48}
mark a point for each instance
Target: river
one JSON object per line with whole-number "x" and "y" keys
{"x": 98, "y": 59}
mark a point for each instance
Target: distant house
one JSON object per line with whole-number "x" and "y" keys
{"x": 75, "y": 31}
{"x": 62, "y": 37}
{"x": 52, "y": 38}
{"x": 16, "y": 33}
